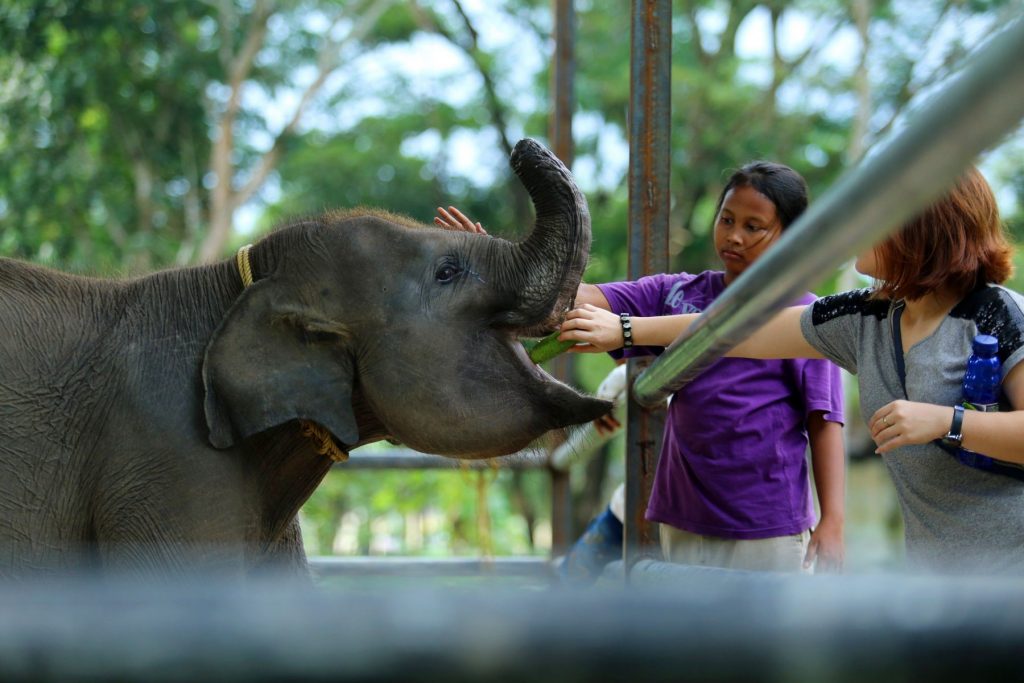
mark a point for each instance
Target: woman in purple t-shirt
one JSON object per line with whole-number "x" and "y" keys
{"x": 732, "y": 486}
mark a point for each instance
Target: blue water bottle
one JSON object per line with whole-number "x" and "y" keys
{"x": 981, "y": 389}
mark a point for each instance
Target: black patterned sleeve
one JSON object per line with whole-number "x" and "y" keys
{"x": 832, "y": 325}
{"x": 997, "y": 311}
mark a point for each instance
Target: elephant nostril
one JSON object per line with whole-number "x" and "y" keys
{"x": 318, "y": 337}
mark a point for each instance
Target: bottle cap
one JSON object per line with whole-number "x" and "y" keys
{"x": 985, "y": 345}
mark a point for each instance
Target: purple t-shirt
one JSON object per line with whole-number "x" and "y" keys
{"x": 733, "y": 463}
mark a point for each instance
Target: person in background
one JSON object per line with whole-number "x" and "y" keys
{"x": 732, "y": 486}
{"x": 908, "y": 338}
{"x": 599, "y": 545}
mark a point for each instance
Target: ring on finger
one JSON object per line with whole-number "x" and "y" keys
{"x": 885, "y": 419}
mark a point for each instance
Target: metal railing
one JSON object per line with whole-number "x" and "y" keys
{"x": 408, "y": 459}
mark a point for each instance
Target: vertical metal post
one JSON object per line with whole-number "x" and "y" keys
{"x": 650, "y": 108}
{"x": 561, "y": 512}
{"x": 563, "y": 72}
{"x": 563, "y": 82}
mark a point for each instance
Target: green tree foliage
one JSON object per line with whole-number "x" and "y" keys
{"x": 427, "y": 512}
{"x": 366, "y": 166}
{"x": 133, "y": 132}
{"x": 764, "y": 80}
{"x": 103, "y": 130}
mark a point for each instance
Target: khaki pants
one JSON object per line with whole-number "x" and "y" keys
{"x": 779, "y": 554}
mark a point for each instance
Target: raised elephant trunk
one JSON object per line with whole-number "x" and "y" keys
{"x": 542, "y": 274}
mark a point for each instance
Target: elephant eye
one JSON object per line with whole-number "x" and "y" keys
{"x": 447, "y": 272}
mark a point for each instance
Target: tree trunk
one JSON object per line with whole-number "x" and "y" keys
{"x": 861, "y": 10}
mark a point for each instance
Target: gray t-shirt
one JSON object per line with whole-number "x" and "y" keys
{"x": 957, "y": 518}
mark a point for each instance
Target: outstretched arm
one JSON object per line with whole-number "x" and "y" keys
{"x": 592, "y": 295}
{"x": 828, "y": 459}
{"x": 598, "y": 330}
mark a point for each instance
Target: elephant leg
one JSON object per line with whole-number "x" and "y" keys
{"x": 152, "y": 531}
{"x": 284, "y": 558}
{"x": 163, "y": 560}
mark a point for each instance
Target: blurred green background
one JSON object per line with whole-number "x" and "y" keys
{"x": 144, "y": 135}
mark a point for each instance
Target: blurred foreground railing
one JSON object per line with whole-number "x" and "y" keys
{"x": 539, "y": 568}
{"x": 700, "y": 626}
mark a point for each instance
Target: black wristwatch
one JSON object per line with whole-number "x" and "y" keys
{"x": 955, "y": 436}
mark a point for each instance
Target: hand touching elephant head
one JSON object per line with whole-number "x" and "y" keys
{"x": 375, "y": 327}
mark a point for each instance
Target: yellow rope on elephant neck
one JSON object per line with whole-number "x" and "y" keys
{"x": 324, "y": 440}
{"x": 325, "y": 444}
{"x": 244, "y": 268}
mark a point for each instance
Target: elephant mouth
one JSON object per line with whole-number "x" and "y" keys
{"x": 565, "y": 405}
{"x": 522, "y": 354}
{"x": 500, "y": 403}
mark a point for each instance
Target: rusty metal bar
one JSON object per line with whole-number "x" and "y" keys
{"x": 562, "y": 532}
{"x": 563, "y": 91}
{"x": 563, "y": 80}
{"x": 649, "y": 109}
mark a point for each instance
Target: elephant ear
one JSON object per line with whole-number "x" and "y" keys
{"x": 270, "y": 362}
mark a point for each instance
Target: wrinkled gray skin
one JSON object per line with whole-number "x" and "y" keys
{"x": 150, "y": 425}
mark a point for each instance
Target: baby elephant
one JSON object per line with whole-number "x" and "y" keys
{"x": 176, "y": 422}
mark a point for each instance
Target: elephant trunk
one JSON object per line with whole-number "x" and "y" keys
{"x": 540, "y": 276}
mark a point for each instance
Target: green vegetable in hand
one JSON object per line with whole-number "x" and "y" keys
{"x": 547, "y": 348}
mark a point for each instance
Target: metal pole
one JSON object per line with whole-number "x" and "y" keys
{"x": 563, "y": 73}
{"x": 913, "y": 167}
{"x": 649, "y": 109}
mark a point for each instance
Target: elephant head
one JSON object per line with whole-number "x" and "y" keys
{"x": 375, "y": 327}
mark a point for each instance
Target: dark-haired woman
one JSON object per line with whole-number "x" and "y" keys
{"x": 908, "y": 340}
